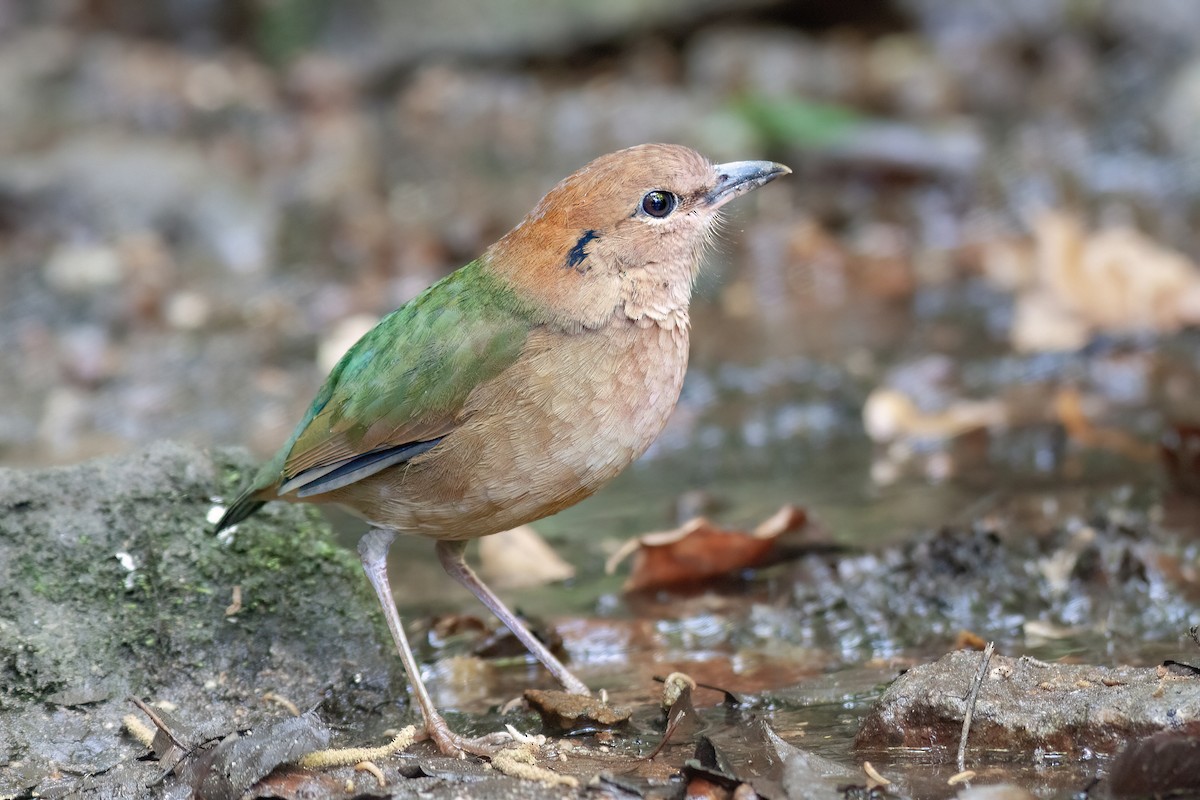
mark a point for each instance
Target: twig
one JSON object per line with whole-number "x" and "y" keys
{"x": 159, "y": 724}
{"x": 972, "y": 699}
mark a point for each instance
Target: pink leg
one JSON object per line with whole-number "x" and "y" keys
{"x": 451, "y": 556}
{"x": 372, "y": 549}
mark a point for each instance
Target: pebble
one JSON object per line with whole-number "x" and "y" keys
{"x": 83, "y": 268}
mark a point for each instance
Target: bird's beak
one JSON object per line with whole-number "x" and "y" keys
{"x": 738, "y": 177}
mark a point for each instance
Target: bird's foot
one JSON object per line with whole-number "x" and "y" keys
{"x": 452, "y": 744}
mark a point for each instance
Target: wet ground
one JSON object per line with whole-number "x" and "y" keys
{"x": 956, "y": 336}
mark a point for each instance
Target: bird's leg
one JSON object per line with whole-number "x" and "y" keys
{"x": 451, "y": 555}
{"x": 372, "y": 549}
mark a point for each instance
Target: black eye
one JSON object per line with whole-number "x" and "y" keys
{"x": 659, "y": 203}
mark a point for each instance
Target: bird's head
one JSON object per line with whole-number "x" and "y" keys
{"x": 623, "y": 235}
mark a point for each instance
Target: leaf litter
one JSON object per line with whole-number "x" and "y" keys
{"x": 699, "y": 551}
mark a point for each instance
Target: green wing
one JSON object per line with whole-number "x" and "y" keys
{"x": 402, "y": 386}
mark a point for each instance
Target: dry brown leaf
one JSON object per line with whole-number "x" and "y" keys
{"x": 1079, "y": 282}
{"x": 889, "y": 415}
{"x": 563, "y": 712}
{"x": 520, "y": 558}
{"x": 1041, "y": 324}
{"x": 968, "y": 640}
{"x": 700, "y": 551}
{"x": 787, "y": 519}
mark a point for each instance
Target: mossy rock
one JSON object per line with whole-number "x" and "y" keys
{"x": 112, "y": 584}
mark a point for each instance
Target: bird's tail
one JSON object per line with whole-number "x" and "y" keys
{"x": 241, "y": 508}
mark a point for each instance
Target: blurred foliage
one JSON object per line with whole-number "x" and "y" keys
{"x": 797, "y": 122}
{"x": 285, "y": 28}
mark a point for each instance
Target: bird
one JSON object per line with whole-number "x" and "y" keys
{"x": 517, "y": 385}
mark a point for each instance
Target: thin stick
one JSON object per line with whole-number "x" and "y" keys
{"x": 159, "y": 724}
{"x": 972, "y": 699}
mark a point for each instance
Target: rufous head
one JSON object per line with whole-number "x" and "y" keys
{"x": 624, "y": 235}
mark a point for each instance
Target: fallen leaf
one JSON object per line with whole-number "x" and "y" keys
{"x": 1041, "y": 325}
{"x": 170, "y": 740}
{"x": 520, "y": 558}
{"x": 709, "y": 766}
{"x": 890, "y": 415}
{"x": 563, "y": 712}
{"x": 241, "y": 760}
{"x": 1042, "y": 629}
{"x": 458, "y": 632}
{"x": 968, "y": 640}
{"x": 806, "y": 774}
{"x": 1078, "y": 283}
{"x": 677, "y": 703}
{"x": 787, "y": 519}
{"x": 700, "y": 551}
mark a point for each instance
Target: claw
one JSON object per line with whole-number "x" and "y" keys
{"x": 453, "y": 745}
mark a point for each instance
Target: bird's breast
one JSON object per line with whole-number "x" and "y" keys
{"x": 567, "y": 417}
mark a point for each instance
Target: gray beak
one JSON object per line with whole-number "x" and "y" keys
{"x": 738, "y": 177}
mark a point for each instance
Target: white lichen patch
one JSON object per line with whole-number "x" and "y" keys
{"x": 126, "y": 560}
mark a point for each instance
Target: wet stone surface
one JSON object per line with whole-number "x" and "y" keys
{"x": 1027, "y": 705}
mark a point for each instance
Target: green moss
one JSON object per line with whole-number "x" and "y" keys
{"x": 296, "y": 582}
{"x": 309, "y": 623}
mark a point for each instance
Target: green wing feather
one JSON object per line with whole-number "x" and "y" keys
{"x": 404, "y": 382}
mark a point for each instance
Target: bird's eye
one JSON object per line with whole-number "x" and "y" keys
{"x": 659, "y": 203}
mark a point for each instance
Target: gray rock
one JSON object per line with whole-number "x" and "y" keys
{"x": 1026, "y": 705}
{"x": 113, "y": 584}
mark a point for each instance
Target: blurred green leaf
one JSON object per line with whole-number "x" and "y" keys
{"x": 286, "y": 28}
{"x": 807, "y": 123}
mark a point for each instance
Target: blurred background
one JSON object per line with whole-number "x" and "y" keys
{"x": 980, "y": 279}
